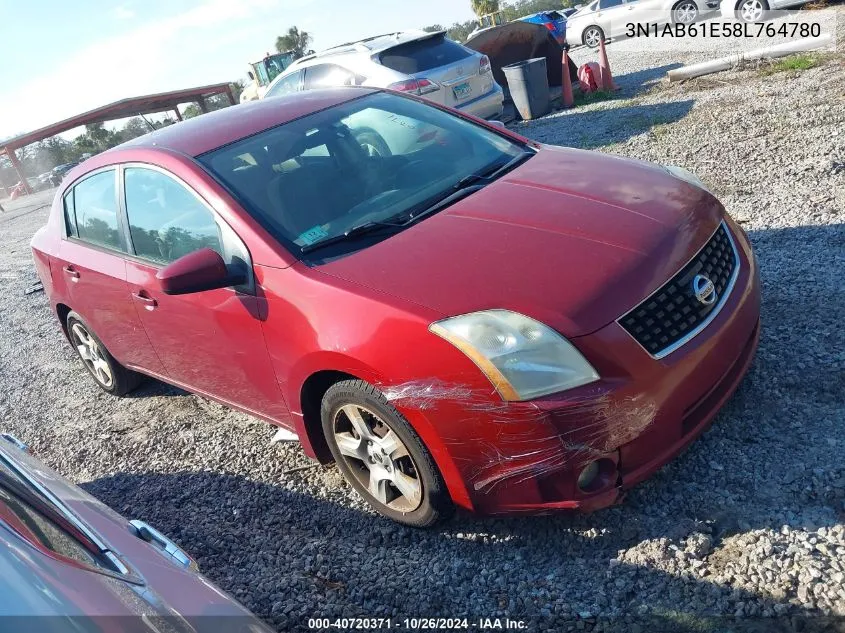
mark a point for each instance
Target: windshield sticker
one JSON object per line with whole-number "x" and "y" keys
{"x": 314, "y": 234}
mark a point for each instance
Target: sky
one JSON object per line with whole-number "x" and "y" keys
{"x": 61, "y": 58}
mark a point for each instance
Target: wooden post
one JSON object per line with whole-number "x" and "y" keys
{"x": 18, "y": 168}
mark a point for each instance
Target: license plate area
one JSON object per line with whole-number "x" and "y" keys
{"x": 462, "y": 91}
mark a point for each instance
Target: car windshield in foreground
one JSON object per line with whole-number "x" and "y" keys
{"x": 369, "y": 167}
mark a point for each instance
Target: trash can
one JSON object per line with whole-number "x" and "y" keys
{"x": 528, "y": 84}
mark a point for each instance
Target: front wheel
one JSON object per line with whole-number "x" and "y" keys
{"x": 593, "y": 36}
{"x": 685, "y": 12}
{"x": 381, "y": 456}
{"x": 752, "y": 10}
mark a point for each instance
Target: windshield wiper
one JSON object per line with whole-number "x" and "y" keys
{"x": 495, "y": 171}
{"x": 462, "y": 188}
{"x": 443, "y": 202}
{"x": 366, "y": 228}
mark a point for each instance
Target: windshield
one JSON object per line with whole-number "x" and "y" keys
{"x": 376, "y": 158}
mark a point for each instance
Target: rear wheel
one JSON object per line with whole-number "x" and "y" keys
{"x": 110, "y": 376}
{"x": 382, "y": 457}
{"x": 593, "y": 36}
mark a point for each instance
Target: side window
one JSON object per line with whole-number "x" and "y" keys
{"x": 91, "y": 211}
{"x": 328, "y": 75}
{"x": 609, "y": 4}
{"x": 286, "y": 85}
{"x": 45, "y": 534}
{"x": 166, "y": 221}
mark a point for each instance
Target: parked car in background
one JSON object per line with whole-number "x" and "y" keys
{"x": 58, "y": 172}
{"x": 416, "y": 62}
{"x": 554, "y": 21}
{"x": 754, "y": 10}
{"x": 472, "y": 320}
{"x": 69, "y": 563}
{"x": 604, "y": 19}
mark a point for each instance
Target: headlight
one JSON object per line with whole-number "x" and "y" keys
{"x": 688, "y": 176}
{"x": 522, "y": 357}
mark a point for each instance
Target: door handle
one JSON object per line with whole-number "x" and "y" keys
{"x": 149, "y": 302}
{"x": 70, "y": 272}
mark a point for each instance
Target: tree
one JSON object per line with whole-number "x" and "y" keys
{"x": 434, "y": 28}
{"x": 191, "y": 111}
{"x": 484, "y": 7}
{"x": 294, "y": 40}
{"x": 133, "y": 128}
{"x": 237, "y": 88}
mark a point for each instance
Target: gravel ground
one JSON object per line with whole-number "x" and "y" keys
{"x": 745, "y": 531}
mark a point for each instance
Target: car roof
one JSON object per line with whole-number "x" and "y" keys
{"x": 204, "y": 133}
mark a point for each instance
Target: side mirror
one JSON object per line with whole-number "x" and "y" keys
{"x": 198, "y": 271}
{"x": 497, "y": 123}
{"x": 250, "y": 75}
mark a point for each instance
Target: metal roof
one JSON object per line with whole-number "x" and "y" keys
{"x": 207, "y": 132}
{"x": 118, "y": 110}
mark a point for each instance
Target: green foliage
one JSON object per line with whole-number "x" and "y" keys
{"x": 434, "y": 28}
{"x": 484, "y": 7}
{"x": 510, "y": 11}
{"x": 294, "y": 40}
{"x": 804, "y": 61}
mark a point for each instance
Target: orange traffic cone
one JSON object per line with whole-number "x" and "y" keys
{"x": 604, "y": 66}
{"x": 568, "y": 99}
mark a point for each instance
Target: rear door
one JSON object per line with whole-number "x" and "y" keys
{"x": 91, "y": 266}
{"x": 645, "y": 12}
{"x": 286, "y": 85}
{"x": 210, "y": 342}
{"x": 330, "y": 75}
{"x": 455, "y": 69}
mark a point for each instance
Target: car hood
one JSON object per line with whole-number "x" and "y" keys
{"x": 572, "y": 238}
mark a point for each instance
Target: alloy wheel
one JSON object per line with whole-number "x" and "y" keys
{"x": 377, "y": 458}
{"x": 592, "y": 37}
{"x": 371, "y": 150}
{"x": 751, "y": 10}
{"x": 91, "y": 354}
{"x": 686, "y": 13}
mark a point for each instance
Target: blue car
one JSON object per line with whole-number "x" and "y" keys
{"x": 555, "y": 21}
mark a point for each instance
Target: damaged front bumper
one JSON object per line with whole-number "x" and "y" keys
{"x": 513, "y": 457}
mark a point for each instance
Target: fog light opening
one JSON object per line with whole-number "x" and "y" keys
{"x": 596, "y": 475}
{"x": 588, "y": 477}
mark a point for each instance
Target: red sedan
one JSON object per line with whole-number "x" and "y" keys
{"x": 455, "y": 315}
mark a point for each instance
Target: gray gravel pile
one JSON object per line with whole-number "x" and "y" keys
{"x": 744, "y": 530}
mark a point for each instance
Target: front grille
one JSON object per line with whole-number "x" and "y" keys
{"x": 673, "y": 314}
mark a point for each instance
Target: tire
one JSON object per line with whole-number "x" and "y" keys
{"x": 372, "y": 143}
{"x": 408, "y": 487}
{"x": 110, "y": 376}
{"x": 752, "y": 11}
{"x": 685, "y": 12}
{"x": 592, "y": 36}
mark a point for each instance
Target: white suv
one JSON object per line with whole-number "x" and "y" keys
{"x": 425, "y": 64}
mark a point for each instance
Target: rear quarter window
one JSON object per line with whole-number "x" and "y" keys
{"x": 421, "y": 55}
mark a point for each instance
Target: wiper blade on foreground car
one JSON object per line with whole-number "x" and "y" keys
{"x": 361, "y": 229}
{"x": 443, "y": 202}
{"x": 490, "y": 174}
{"x": 467, "y": 185}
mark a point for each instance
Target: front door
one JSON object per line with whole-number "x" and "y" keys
{"x": 210, "y": 342}
{"x": 91, "y": 268}
{"x": 611, "y": 17}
